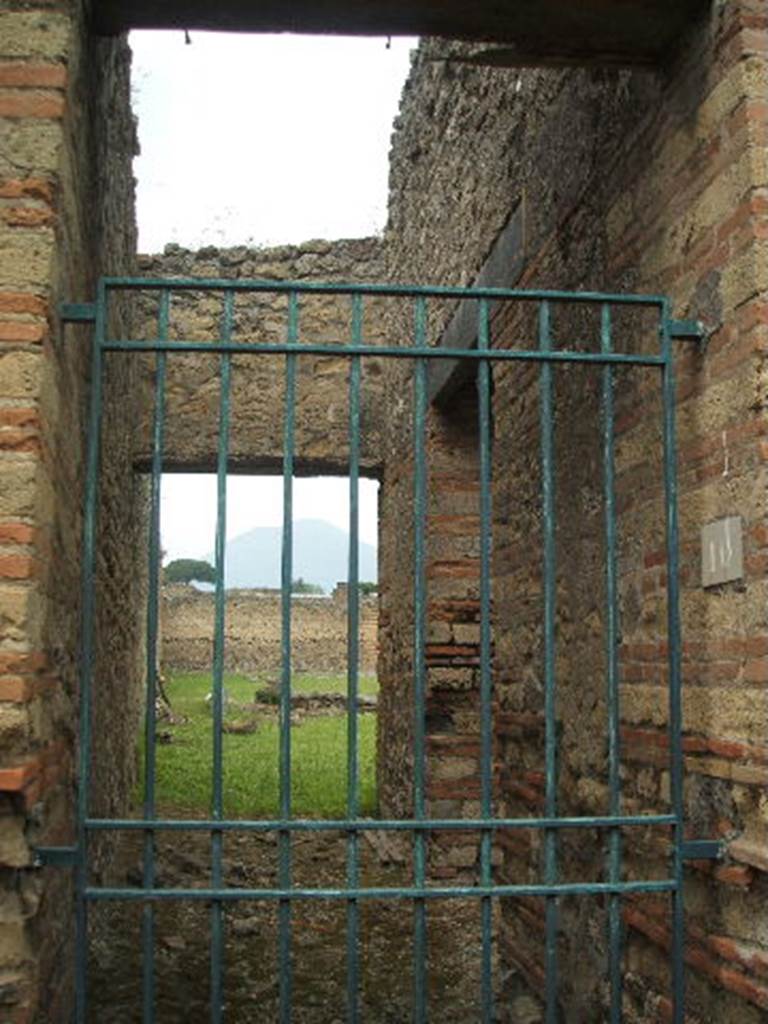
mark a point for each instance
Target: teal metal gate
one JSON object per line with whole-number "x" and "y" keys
{"x": 547, "y": 357}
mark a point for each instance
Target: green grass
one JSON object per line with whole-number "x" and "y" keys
{"x": 251, "y": 776}
{"x": 305, "y": 683}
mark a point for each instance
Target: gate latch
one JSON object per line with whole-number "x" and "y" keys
{"x": 55, "y": 857}
{"x": 703, "y": 849}
{"x": 687, "y": 330}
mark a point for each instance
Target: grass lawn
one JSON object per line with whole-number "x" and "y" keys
{"x": 251, "y": 777}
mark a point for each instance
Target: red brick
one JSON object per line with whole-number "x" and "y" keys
{"x": 17, "y": 567}
{"x": 451, "y": 651}
{"x": 21, "y": 333}
{"x": 16, "y": 779}
{"x": 18, "y": 416}
{"x": 26, "y": 217}
{"x": 530, "y": 796}
{"x": 461, "y": 525}
{"x": 22, "y": 302}
{"x": 38, "y": 76}
{"x": 755, "y": 646}
{"x": 728, "y": 949}
{"x": 32, "y": 188}
{"x": 734, "y": 751}
{"x": 665, "y": 1009}
{"x": 16, "y": 689}
{"x": 14, "y": 662}
{"x": 756, "y": 671}
{"x": 734, "y": 875}
{"x": 695, "y": 956}
{"x": 31, "y": 103}
{"x": 756, "y": 565}
{"x": 16, "y": 533}
{"x": 18, "y": 441}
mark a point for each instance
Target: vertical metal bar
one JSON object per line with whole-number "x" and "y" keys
{"x": 353, "y": 638}
{"x": 87, "y": 653}
{"x": 546, "y": 412}
{"x": 612, "y": 672}
{"x": 486, "y": 735}
{"x": 419, "y": 663}
{"x": 217, "y": 808}
{"x": 284, "y": 841}
{"x": 673, "y": 639}
{"x": 150, "y": 715}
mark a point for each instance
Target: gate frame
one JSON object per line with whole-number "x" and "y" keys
{"x": 421, "y": 354}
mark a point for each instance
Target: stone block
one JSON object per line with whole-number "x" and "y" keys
{"x": 20, "y": 373}
{"x": 14, "y": 849}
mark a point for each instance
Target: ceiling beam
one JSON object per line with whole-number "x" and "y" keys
{"x": 541, "y": 31}
{"x": 502, "y": 269}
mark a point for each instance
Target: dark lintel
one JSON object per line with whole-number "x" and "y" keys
{"x": 542, "y": 31}
{"x": 502, "y": 269}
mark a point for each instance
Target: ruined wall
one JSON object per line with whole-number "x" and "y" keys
{"x": 66, "y": 212}
{"x": 629, "y": 182}
{"x": 253, "y": 632}
{"x": 453, "y": 630}
{"x": 258, "y": 388}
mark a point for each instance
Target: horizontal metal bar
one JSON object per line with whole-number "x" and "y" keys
{"x": 383, "y": 893}
{"x": 372, "y": 825}
{"x": 686, "y": 330}
{"x": 77, "y": 312}
{"x": 702, "y": 849}
{"x": 396, "y": 351}
{"x": 55, "y": 856}
{"x": 438, "y": 291}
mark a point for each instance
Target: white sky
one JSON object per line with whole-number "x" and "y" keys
{"x": 253, "y": 501}
{"x": 261, "y": 140}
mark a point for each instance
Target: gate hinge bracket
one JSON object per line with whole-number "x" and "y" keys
{"x": 703, "y": 849}
{"x": 686, "y": 330}
{"x": 55, "y": 857}
{"x": 77, "y": 312}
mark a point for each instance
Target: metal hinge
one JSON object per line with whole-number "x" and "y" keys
{"x": 77, "y": 312}
{"x": 686, "y": 330}
{"x": 703, "y": 849}
{"x": 55, "y": 857}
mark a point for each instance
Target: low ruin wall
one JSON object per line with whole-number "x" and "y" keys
{"x": 253, "y": 631}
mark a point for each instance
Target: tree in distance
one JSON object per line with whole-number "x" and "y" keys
{"x": 300, "y": 586}
{"x": 185, "y": 570}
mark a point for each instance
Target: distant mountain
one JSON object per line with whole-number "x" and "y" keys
{"x": 320, "y": 554}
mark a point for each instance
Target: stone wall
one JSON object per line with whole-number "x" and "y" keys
{"x": 66, "y": 214}
{"x": 253, "y": 632}
{"x": 256, "y": 436}
{"x": 628, "y": 182}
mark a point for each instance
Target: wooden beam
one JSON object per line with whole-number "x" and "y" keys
{"x": 542, "y": 31}
{"x": 502, "y": 269}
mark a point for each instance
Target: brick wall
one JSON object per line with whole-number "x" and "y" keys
{"x": 629, "y": 182}
{"x": 66, "y": 195}
{"x": 253, "y": 632}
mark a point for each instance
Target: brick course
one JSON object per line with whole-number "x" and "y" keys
{"x": 627, "y": 185}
